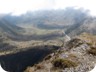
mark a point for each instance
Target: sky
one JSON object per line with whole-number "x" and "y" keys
{"x": 17, "y": 7}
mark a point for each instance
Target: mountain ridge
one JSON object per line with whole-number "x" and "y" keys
{"x": 74, "y": 56}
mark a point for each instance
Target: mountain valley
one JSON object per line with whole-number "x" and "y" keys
{"x": 36, "y": 41}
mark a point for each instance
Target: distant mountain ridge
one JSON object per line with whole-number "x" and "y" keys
{"x": 87, "y": 26}
{"x": 50, "y": 19}
{"x": 73, "y": 21}
{"x": 8, "y": 29}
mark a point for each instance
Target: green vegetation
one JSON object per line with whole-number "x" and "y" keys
{"x": 90, "y": 44}
{"x": 48, "y": 57}
{"x": 75, "y": 43}
{"x": 40, "y": 34}
{"x": 39, "y": 66}
{"x": 64, "y": 63}
{"x": 92, "y": 51}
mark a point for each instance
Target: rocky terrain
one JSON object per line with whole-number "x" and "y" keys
{"x": 78, "y": 55}
{"x": 36, "y": 41}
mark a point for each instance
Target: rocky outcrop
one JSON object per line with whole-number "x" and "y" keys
{"x": 73, "y": 57}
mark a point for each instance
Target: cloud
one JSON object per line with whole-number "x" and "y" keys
{"x": 21, "y": 6}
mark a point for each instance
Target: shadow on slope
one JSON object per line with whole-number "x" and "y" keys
{"x": 19, "y": 61}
